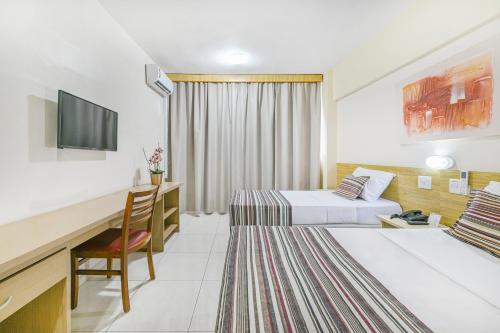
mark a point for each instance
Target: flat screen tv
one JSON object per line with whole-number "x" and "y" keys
{"x": 85, "y": 125}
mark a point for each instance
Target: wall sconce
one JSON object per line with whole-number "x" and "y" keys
{"x": 439, "y": 162}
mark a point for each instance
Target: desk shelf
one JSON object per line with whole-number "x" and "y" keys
{"x": 166, "y": 218}
{"x": 169, "y": 211}
{"x": 169, "y": 229}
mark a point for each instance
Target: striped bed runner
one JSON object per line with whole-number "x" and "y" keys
{"x": 260, "y": 207}
{"x": 282, "y": 279}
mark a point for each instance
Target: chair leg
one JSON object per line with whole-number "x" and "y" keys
{"x": 150, "y": 260}
{"x": 74, "y": 280}
{"x": 124, "y": 279}
{"x": 109, "y": 266}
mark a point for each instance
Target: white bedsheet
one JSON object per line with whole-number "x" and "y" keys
{"x": 446, "y": 283}
{"x": 325, "y": 207}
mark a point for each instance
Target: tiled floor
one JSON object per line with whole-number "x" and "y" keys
{"x": 183, "y": 298}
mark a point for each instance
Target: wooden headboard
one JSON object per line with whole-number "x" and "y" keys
{"x": 403, "y": 188}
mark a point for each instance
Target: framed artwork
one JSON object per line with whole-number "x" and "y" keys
{"x": 454, "y": 99}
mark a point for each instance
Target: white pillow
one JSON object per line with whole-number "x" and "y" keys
{"x": 376, "y": 185}
{"x": 493, "y": 187}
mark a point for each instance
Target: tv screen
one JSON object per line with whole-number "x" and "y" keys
{"x": 85, "y": 125}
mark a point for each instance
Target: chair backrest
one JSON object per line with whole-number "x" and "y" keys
{"x": 139, "y": 210}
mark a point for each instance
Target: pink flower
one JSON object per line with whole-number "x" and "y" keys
{"x": 155, "y": 159}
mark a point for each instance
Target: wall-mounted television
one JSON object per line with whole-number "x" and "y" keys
{"x": 85, "y": 125}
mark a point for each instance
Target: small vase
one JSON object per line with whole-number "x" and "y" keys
{"x": 156, "y": 178}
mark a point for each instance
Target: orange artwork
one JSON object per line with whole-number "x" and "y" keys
{"x": 458, "y": 98}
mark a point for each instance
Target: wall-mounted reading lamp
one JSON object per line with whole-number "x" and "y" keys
{"x": 439, "y": 162}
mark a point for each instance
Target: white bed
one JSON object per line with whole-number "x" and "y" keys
{"x": 327, "y": 208}
{"x": 449, "y": 285}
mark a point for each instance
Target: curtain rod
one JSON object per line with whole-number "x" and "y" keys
{"x": 245, "y": 78}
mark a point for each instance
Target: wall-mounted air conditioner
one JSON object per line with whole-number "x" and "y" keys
{"x": 158, "y": 81}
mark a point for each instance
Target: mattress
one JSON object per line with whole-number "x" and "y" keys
{"x": 325, "y": 208}
{"x": 451, "y": 286}
{"x": 298, "y": 279}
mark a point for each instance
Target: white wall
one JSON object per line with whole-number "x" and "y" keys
{"x": 77, "y": 47}
{"x": 369, "y": 121}
{"x": 424, "y": 27}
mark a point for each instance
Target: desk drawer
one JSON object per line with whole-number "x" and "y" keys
{"x": 24, "y": 286}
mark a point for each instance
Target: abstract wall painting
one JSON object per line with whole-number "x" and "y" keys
{"x": 455, "y": 99}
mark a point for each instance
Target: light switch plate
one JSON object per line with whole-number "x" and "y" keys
{"x": 454, "y": 186}
{"x": 425, "y": 182}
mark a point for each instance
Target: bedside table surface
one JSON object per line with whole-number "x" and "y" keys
{"x": 400, "y": 223}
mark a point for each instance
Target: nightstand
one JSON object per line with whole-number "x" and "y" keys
{"x": 398, "y": 223}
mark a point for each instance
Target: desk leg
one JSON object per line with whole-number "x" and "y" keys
{"x": 67, "y": 295}
{"x": 158, "y": 245}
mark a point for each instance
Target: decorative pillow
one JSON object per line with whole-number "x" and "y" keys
{"x": 479, "y": 224}
{"x": 379, "y": 180}
{"x": 351, "y": 187}
{"x": 493, "y": 187}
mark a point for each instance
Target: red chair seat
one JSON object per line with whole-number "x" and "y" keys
{"x": 109, "y": 243}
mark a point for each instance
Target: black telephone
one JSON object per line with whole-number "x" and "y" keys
{"x": 414, "y": 217}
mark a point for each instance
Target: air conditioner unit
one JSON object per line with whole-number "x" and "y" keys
{"x": 158, "y": 81}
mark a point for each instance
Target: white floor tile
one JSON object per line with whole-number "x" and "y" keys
{"x": 182, "y": 266}
{"x": 192, "y": 244}
{"x": 99, "y": 303}
{"x": 208, "y": 227}
{"x": 170, "y": 242}
{"x": 137, "y": 266}
{"x": 220, "y": 243}
{"x": 223, "y": 227}
{"x": 215, "y": 266}
{"x": 191, "y": 216}
{"x": 205, "y": 224}
{"x": 160, "y": 306}
{"x": 178, "y": 300}
{"x": 187, "y": 220}
{"x": 205, "y": 313}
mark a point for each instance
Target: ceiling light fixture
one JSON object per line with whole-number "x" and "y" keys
{"x": 236, "y": 58}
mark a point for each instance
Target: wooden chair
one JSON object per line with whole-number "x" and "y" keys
{"x": 117, "y": 243}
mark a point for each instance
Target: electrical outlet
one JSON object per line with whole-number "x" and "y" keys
{"x": 425, "y": 182}
{"x": 454, "y": 186}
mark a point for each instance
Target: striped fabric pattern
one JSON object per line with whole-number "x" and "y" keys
{"x": 479, "y": 224}
{"x": 300, "y": 279}
{"x": 259, "y": 207}
{"x": 351, "y": 186}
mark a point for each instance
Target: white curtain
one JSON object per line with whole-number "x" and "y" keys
{"x": 230, "y": 136}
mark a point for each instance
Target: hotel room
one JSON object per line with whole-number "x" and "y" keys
{"x": 250, "y": 166}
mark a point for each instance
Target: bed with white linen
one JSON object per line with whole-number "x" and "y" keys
{"x": 348, "y": 205}
{"x": 450, "y": 285}
{"x": 327, "y": 208}
{"x": 431, "y": 280}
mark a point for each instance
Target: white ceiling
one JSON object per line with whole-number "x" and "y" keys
{"x": 280, "y": 36}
